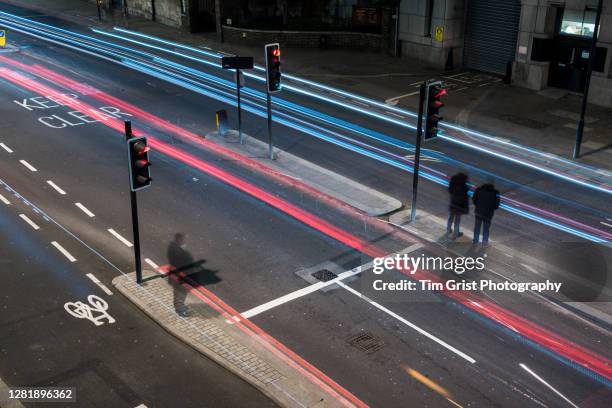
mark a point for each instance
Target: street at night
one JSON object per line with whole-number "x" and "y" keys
{"x": 399, "y": 214}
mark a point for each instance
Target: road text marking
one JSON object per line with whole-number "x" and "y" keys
{"x": 100, "y": 284}
{"x": 63, "y": 251}
{"x": 85, "y": 210}
{"x": 28, "y": 165}
{"x": 56, "y": 187}
{"x": 120, "y": 238}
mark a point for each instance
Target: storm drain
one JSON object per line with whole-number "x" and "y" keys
{"x": 324, "y": 275}
{"x": 366, "y": 342}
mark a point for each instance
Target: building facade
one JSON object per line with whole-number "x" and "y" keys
{"x": 540, "y": 43}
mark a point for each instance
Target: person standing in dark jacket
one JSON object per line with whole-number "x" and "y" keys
{"x": 459, "y": 203}
{"x": 486, "y": 201}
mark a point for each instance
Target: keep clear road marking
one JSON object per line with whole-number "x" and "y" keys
{"x": 120, "y": 238}
{"x": 28, "y": 165}
{"x": 29, "y": 221}
{"x": 100, "y": 284}
{"x": 56, "y": 187}
{"x": 85, "y": 210}
{"x": 4, "y": 200}
{"x": 540, "y": 379}
{"x": 5, "y": 147}
{"x": 409, "y": 324}
{"x": 315, "y": 286}
{"x": 63, "y": 251}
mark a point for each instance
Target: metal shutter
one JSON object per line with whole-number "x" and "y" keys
{"x": 491, "y": 34}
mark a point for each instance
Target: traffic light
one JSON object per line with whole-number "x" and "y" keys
{"x": 435, "y": 92}
{"x": 273, "y": 71}
{"x": 138, "y": 156}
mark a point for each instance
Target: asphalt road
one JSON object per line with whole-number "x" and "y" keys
{"x": 256, "y": 250}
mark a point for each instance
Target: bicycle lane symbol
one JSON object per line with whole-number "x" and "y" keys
{"x": 96, "y": 305}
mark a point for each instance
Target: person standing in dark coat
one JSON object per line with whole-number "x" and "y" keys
{"x": 486, "y": 201}
{"x": 459, "y": 203}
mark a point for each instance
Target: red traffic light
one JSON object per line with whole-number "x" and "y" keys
{"x": 140, "y": 148}
{"x": 276, "y": 52}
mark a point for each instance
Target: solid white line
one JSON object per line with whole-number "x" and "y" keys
{"x": 56, "y": 187}
{"x": 5, "y": 147}
{"x": 28, "y": 165}
{"x": 100, "y": 284}
{"x": 4, "y": 200}
{"x": 152, "y": 264}
{"x": 407, "y": 323}
{"x": 63, "y": 251}
{"x": 120, "y": 238}
{"x": 606, "y": 224}
{"x": 29, "y": 221}
{"x": 524, "y": 367}
{"x": 314, "y": 287}
{"x": 85, "y": 210}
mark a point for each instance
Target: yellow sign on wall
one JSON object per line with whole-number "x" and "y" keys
{"x": 2, "y": 38}
{"x": 439, "y": 33}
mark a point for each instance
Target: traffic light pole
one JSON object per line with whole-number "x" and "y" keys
{"x": 239, "y": 108}
{"x": 269, "y": 104}
{"x": 417, "y": 154}
{"x": 587, "y": 82}
{"x": 135, "y": 229}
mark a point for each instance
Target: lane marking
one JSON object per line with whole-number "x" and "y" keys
{"x": 56, "y": 187}
{"x": 5, "y": 147}
{"x": 394, "y": 101}
{"x": 85, "y": 210}
{"x": 63, "y": 251}
{"x": 531, "y": 269}
{"x": 120, "y": 238}
{"x": 29, "y": 221}
{"x": 100, "y": 284}
{"x": 82, "y": 310}
{"x": 152, "y": 264}
{"x": 315, "y": 287}
{"x": 4, "y": 200}
{"x": 28, "y": 165}
{"x": 524, "y": 367}
{"x": 606, "y": 224}
{"x": 143, "y": 405}
{"x": 409, "y": 324}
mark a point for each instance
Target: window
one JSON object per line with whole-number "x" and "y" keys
{"x": 580, "y": 23}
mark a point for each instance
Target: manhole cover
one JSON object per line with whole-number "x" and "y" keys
{"x": 324, "y": 275}
{"x": 366, "y": 342}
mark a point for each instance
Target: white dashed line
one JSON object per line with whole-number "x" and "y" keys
{"x": 29, "y": 221}
{"x": 141, "y": 406}
{"x": 63, "y": 251}
{"x": 120, "y": 238}
{"x": 5, "y": 147}
{"x": 85, "y": 210}
{"x": 56, "y": 187}
{"x": 100, "y": 284}
{"x": 4, "y": 200}
{"x": 28, "y": 165}
{"x": 606, "y": 224}
{"x": 152, "y": 264}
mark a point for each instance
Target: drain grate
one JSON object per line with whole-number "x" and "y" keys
{"x": 366, "y": 342}
{"x": 324, "y": 275}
